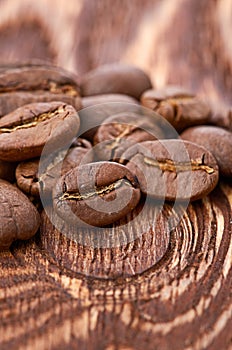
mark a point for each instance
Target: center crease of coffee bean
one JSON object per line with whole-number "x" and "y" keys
{"x": 170, "y": 165}
{"x": 62, "y": 89}
{"x": 33, "y": 121}
{"x": 98, "y": 191}
{"x": 173, "y": 102}
{"x": 53, "y": 87}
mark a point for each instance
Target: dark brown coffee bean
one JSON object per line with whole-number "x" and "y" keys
{"x": 38, "y": 77}
{"x": 36, "y": 82}
{"x": 80, "y": 153}
{"x": 10, "y": 101}
{"x": 80, "y": 142}
{"x": 19, "y": 219}
{"x": 31, "y": 182}
{"x": 91, "y": 118}
{"x": 90, "y": 101}
{"x": 27, "y": 177}
{"x": 221, "y": 115}
{"x": 115, "y": 78}
{"x": 96, "y": 194}
{"x": 179, "y": 108}
{"x": 35, "y": 62}
{"x": 25, "y": 131}
{"x": 172, "y": 169}
{"x": 121, "y": 131}
{"x": 217, "y": 140}
{"x": 7, "y": 170}
{"x": 152, "y": 96}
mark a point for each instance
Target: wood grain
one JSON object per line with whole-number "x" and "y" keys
{"x": 163, "y": 290}
{"x": 183, "y": 299}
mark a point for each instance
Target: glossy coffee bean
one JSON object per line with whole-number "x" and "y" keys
{"x": 121, "y": 131}
{"x": 97, "y": 194}
{"x": 221, "y": 114}
{"x": 7, "y": 170}
{"x": 91, "y": 118}
{"x": 11, "y": 101}
{"x": 90, "y": 101}
{"x": 179, "y": 107}
{"x": 217, "y": 140}
{"x": 30, "y": 181}
{"x": 25, "y": 131}
{"x": 24, "y": 83}
{"x": 34, "y": 77}
{"x": 115, "y": 78}
{"x": 172, "y": 169}
{"x": 153, "y": 96}
{"x": 27, "y": 177}
{"x": 19, "y": 219}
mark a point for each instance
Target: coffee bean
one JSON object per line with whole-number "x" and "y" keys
{"x": 91, "y": 118}
{"x": 217, "y": 140}
{"x": 179, "y": 108}
{"x": 90, "y": 101}
{"x": 81, "y": 142}
{"x": 96, "y": 194}
{"x": 121, "y": 131}
{"x": 38, "y": 77}
{"x": 19, "y": 219}
{"x": 172, "y": 169}
{"x": 115, "y": 78}
{"x": 32, "y": 183}
{"x": 221, "y": 115}
{"x": 25, "y": 131}
{"x": 34, "y": 62}
{"x": 7, "y": 170}
{"x": 10, "y": 101}
{"x": 152, "y": 96}
{"x": 29, "y": 82}
{"x": 80, "y": 154}
{"x": 27, "y": 177}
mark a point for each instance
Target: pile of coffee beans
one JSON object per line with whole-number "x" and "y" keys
{"x": 94, "y": 168}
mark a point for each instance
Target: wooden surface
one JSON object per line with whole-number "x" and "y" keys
{"x": 58, "y": 294}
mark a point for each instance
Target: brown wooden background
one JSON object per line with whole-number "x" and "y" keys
{"x": 185, "y": 300}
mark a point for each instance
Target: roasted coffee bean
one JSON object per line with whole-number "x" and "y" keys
{"x": 152, "y": 96}
{"x": 221, "y": 115}
{"x": 172, "y": 169}
{"x": 27, "y": 177}
{"x": 97, "y": 194}
{"x": 80, "y": 142}
{"x": 217, "y": 140}
{"x": 7, "y": 170}
{"x": 26, "y": 77}
{"x": 29, "y": 82}
{"x": 180, "y": 108}
{"x": 34, "y": 62}
{"x": 25, "y": 131}
{"x": 121, "y": 131}
{"x": 115, "y": 78}
{"x": 19, "y": 219}
{"x": 91, "y": 118}
{"x": 90, "y": 101}
{"x": 31, "y": 182}
{"x": 10, "y": 101}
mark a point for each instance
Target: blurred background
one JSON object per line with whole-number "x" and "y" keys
{"x": 185, "y": 42}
